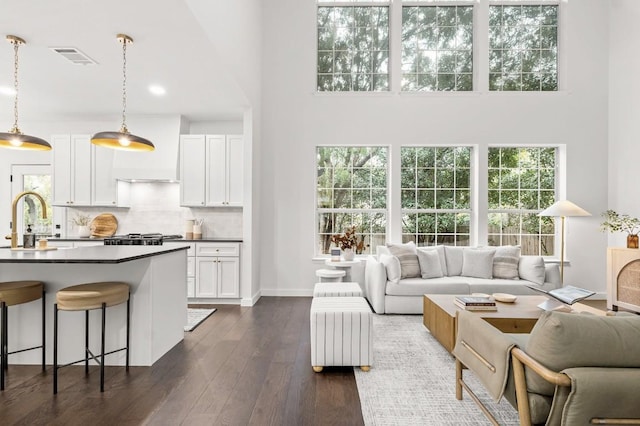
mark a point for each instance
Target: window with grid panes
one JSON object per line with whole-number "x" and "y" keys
{"x": 436, "y": 195}
{"x": 353, "y": 46}
{"x": 437, "y": 48}
{"x": 351, "y": 190}
{"x": 521, "y": 183}
{"x": 523, "y": 47}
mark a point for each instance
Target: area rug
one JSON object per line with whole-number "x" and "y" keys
{"x": 195, "y": 316}
{"x": 412, "y": 380}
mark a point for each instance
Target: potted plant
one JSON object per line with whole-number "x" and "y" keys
{"x": 349, "y": 243}
{"x": 82, "y": 221}
{"x": 614, "y": 222}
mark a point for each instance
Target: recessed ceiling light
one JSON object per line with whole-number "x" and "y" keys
{"x": 157, "y": 90}
{"x": 8, "y": 91}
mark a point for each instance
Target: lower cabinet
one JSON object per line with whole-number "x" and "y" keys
{"x": 217, "y": 277}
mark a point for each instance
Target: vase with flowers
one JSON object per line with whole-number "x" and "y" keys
{"x": 82, "y": 221}
{"x": 349, "y": 242}
{"x": 615, "y": 222}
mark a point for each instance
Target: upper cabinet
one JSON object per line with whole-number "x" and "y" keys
{"x": 83, "y": 174}
{"x": 105, "y": 189}
{"x": 211, "y": 170}
{"x": 71, "y": 170}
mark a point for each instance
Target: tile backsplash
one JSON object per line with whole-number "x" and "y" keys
{"x": 155, "y": 207}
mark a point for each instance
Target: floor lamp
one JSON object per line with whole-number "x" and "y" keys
{"x": 563, "y": 209}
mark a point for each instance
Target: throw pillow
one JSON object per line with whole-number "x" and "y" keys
{"x": 429, "y": 261}
{"x": 441, "y": 255}
{"x": 392, "y": 265}
{"x": 406, "y": 254}
{"x": 505, "y": 262}
{"x": 531, "y": 268}
{"x": 478, "y": 263}
{"x": 454, "y": 260}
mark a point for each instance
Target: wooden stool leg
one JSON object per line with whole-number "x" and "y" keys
{"x": 104, "y": 312}
{"x": 55, "y": 348}
{"x": 44, "y": 332}
{"x": 128, "y": 323}
{"x": 86, "y": 342}
{"x": 3, "y": 347}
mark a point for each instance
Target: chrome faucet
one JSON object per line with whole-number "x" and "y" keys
{"x": 14, "y": 214}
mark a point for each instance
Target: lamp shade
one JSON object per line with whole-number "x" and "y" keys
{"x": 15, "y": 140}
{"x": 564, "y": 208}
{"x": 122, "y": 140}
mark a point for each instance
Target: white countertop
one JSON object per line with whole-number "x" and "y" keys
{"x": 94, "y": 254}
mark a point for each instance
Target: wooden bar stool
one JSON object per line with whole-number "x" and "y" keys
{"x": 16, "y": 293}
{"x": 85, "y": 297}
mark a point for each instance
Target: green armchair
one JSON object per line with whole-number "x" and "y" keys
{"x": 572, "y": 369}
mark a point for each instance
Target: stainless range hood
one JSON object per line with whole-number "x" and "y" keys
{"x": 160, "y": 165}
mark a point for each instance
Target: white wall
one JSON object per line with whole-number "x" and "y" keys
{"x": 295, "y": 120}
{"x": 624, "y": 111}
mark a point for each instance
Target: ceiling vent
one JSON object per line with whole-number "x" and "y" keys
{"x": 74, "y": 55}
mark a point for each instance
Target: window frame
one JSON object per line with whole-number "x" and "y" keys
{"x": 559, "y": 191}
{"x": 353, "y": 3}
{"x": 320, "y": 210}
{"x": 435, "y": 210}
{"x": 480, "y": 53}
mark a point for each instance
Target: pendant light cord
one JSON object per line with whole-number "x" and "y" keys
{"x": 124, "y": 85}
{"x": 16, "y": 45}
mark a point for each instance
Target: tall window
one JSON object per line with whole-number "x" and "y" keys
{"x": 351, "y": 189}
{"x": 353, "y": 47}
{"x": 523, "y": 47}
{"x": 436, "y": 194}
{"x": 437, "y": 48}
{"x": 522, "y": 183}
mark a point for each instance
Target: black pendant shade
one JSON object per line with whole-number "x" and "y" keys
{"x": 123, "y": 141}
{"x": 16, "y": 140}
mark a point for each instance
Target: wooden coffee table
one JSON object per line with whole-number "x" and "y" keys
{"x": 440, "y": 316}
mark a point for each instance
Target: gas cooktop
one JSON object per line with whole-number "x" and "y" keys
{"x": 152, "y": 239}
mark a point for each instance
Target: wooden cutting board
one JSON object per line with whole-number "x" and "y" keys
{"x": 103, "y": 225}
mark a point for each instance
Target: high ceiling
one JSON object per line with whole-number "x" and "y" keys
{"x": 170, "y": 49}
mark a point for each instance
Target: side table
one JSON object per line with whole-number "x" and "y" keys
{"x": 343, "y": 265}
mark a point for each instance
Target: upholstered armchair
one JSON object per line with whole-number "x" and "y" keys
{"x": 572, "y": 369}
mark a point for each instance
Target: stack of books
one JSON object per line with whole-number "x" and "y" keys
{"x": 473, "y": 303}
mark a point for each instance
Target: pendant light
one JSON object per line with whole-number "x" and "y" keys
{"x": 14, "y": 138}
{"x": 123, "y": 139}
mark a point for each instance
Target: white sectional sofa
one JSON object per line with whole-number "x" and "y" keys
{"x": 392, "y": 286}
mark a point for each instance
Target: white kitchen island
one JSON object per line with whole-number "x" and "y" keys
{"x": 156, "y": 275}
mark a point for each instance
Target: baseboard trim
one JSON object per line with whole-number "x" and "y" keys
{"x": 294, "y": 292}
{"x": 250, "y": 301}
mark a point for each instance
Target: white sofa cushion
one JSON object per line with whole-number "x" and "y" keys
{"x": 429, "y": 261}
{"x": 531, "y": 268}
{"x": 453, "y": 257}
{"x": 441, "y": 255}
{"x": 392, "y": 265}
{"x": 478, "y": 263}
{"x": 406, "y": 254}
{"x": 420, "y": 286}
{"x": 505, "y": 262}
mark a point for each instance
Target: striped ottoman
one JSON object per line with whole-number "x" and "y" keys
{"x": 340, "y": 289}
{"x": 341, "y": 332}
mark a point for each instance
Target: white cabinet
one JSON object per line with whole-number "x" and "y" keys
{"x": 211, "y": 170}
{"x": 217, "y": 270}
{"x": 71, "y": 170}
{"x": 191, "y": 266}
{"x": 105, "y": 189}
{"x": 83, "y": 174}
{"x": 192, "y": 170}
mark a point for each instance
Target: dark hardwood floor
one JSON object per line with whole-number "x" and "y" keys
{"x": 241, "y": 366}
